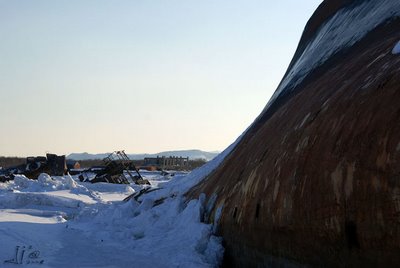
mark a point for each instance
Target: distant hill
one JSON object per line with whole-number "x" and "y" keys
{"x": 86, "y": 156}
{"x": 192, "y": 154}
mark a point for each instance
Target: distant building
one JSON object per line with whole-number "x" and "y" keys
{"x": 171, "y": 162}
{"x": 72, "y": 164}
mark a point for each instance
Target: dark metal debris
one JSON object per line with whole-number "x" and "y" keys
{"x": 118, "y": 168}
{"x": 51, "y": 164}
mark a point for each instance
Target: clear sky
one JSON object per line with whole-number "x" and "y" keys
{"x": 139, "y": 75}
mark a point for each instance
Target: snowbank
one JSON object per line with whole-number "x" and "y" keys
{"x": 45, "y": 182}
{"x": 163, "y": 224}
{"x": 161, "y": 230}
{"x": 172, "y": 232}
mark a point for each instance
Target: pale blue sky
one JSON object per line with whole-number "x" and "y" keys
{"x": 139, "y": 75}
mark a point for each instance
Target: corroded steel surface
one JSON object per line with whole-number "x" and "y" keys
{"x": 317, "y": 182}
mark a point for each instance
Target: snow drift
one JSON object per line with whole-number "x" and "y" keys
{"x": 68, "y": 223}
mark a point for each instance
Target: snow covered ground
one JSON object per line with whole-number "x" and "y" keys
{"x": 61, "y": 222}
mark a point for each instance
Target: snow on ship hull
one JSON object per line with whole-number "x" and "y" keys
{"x": 316, "y": 179}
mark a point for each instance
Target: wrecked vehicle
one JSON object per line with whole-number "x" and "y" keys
{"x": 51, "y": 164}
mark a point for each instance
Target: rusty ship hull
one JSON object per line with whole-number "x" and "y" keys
{"x": 315, "y": 181}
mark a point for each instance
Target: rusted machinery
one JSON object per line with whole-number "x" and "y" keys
{"x": 51, "y": 164}
{"x": 117, "y": 169}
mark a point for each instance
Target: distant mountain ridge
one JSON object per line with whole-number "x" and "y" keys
{"x": 192, "y": 154}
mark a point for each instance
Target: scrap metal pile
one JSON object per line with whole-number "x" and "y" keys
{"x": 118, "y": 168}
{"x": 34, "y": 166}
